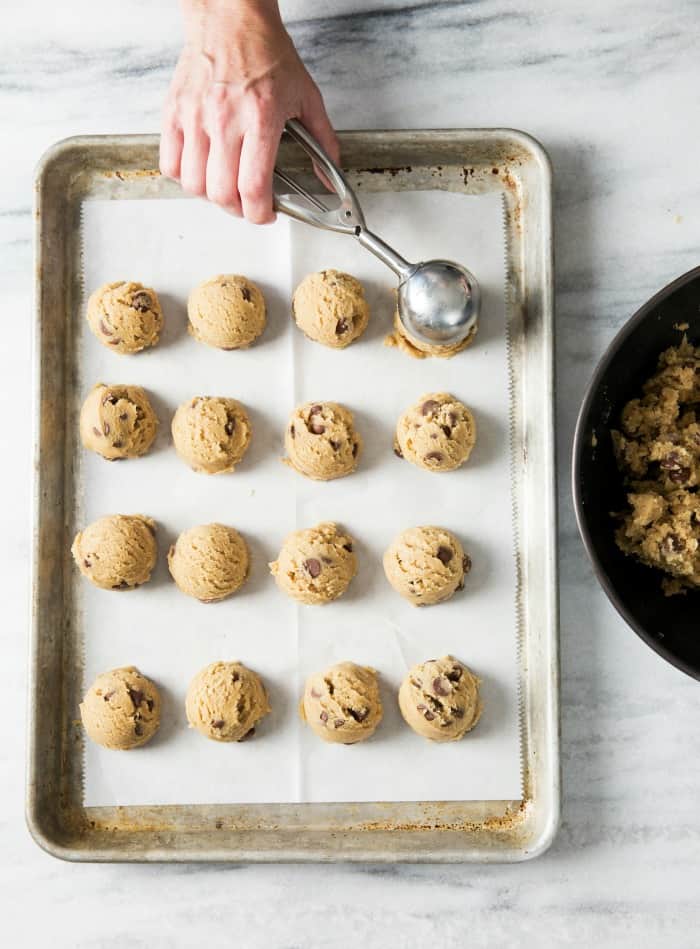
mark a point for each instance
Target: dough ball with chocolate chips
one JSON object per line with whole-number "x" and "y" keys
{"x": 121, "y": 709}
{"x": 227, "y": 312}
{"x": 342, "y": 704}
{"x": 330, "y": 308}
{"x": 426, "y": 565}
{"x": 439, "y": 699}
{"x": 405, "y": 342}
{"x": 117, "y": 552}
{"x": 321, "y": 441}
{"x": 316, "y": 565}
{"x": 438, "y": 433}
{"x": 225, "y": 701}
{"x": 117, "y": 422}
{"x": 209, "y": 562}
{"x": 211, "y": 434}
{"x": 125, "y": 316}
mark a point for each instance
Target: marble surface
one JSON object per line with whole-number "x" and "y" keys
{"x": 611, "y": 91}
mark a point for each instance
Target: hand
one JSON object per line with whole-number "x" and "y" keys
{"x": 238, "y": 79}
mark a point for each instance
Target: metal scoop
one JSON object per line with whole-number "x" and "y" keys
{"x": 438, "y": 300}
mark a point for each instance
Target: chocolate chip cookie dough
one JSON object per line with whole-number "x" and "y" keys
{"x": 439, "y": 699}
{"x": 225, "y": 701}
{"x": 211, "y": 434}
{"x": 402, "y": 340}
{"x": 117, "y": 552}
{"x": 426, "y": 565}
{"x": 209, "y": 562}
{"x": 342, "y": 704}
{"x": 227, "y": 312}
{"x": 330, "y": 308}
{"x": 438, "y": 433}
{"x": 321, "y": 441}
{"x": 121, "y": 709}
{"x": 315, "y": 566}
{"x": 125, "y": 316}
{"x": 658, "y": 452}
{"x": 117, "y": 422}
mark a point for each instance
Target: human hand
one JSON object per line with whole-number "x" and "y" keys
{"x": 238, "y": 79}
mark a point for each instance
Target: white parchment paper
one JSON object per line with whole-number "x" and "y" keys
{"x": 172, "y": 245}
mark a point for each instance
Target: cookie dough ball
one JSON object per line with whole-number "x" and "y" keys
{"x": 121, "y": 709}
{"x": 118, "y": 422}
{"x": 426, "y": 565}
{"x": 342, "y": 704}
{"x": 211, "y": 434}
{"x": 439, "y": 699}
{"x": 227, "y": 312}
{"x": 321, "y": 441}
{"x": 125, "y": 316}
{"x": 225, "y": 701}
{"x": 438, "y": 433}
{"x": 330, "y": 308}
{"x": 402, "y": 340}
{"x": 117, "y": 552}
{"x": 209, "y": 562}
{"x": 315, "y": 566}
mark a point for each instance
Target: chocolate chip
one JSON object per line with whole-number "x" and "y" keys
{"x": 453, "y": 419}
{"x": 114, "y": 342}
{"x": 466, "y": 563}
{"x": 218, "y": 723}
{"x": 248, "y": 734}
{"x": 355, "y": 449}
{"x": 326, "y": 560}
{"x": 97, "y": 431}
{"x": 323, "y": 716}
{"x": 455, "y": 674}
{"x": 359, "y": 714}
{"x": 673, "y": 544}
{"x": 292, "y": 432}
{"x": 434, "y": 456}
{"x": 315, "y": 694}
{"x": 347, "y": 547}
{"x": 105, "y": 329}
{"x": 234, "y": 677}
{"x": 428, "y": 716}
{"x": 87, "y": 564}
{"x": 444, "y": 554}
{"x": 398, "y": 452}
{"x": 136, "y": 696}
{"x": 149, "y": 703}
{"x": 672, "y": 460}
{"x": 245, "y": 293}
{"x": 110, "y": 400}
{"x": 230, "y": 426}
{"x": 138, "y": 729}
{"x": 108, "y": 695}
{"x": 679, "y": 475}
{"x": 457, "y": 712}
{"x": 440, "y": 686}
{"x": 342, "y": 326}
{"x": 106, "y": 428}
{"x": 141, "y": 301}
{"x": 117, "y": 444}
{"x": 312, "y": 567}
{"x": 430, "y": 406}
{"x": 316, "y": 428}
{"x": 339, "y": 722}
{"x": 123, "y": 416}
{"x": 447, "y": 430}
{"x": 315, "y": 409}
{"x": 334, "y": 445}
{"x": 122, "y": 585}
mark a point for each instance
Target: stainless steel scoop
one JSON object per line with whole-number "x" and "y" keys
{"x": 438, "y": 300}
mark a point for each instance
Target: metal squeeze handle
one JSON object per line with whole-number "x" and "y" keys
{"x": 346, "y": 218}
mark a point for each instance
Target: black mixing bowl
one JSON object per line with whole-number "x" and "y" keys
{"x": 669, "y": 624}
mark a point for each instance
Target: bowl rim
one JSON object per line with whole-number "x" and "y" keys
{"x": 591, "y": 389}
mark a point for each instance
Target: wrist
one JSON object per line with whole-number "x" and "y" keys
{"x": 206, "y": 19}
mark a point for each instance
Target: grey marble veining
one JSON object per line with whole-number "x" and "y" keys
{"x": 611, "y": 91}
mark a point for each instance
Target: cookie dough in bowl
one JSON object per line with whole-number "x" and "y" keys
{"x": 209, "y": 562}
{"x": 211, "y": 434}
{"x": 227, "y": 312}
{"x": 342, "y": 704}
{"x": 426, "y": 565}
{"x": 438, "y": 433}
{"x": 439, "y": 699}
{"x": 330, "y": 308}
{"x": 225, "y": 701}
{"x": 315, "y": 566}
{"x": 125, "y": 316}
{"x": 121, "y": 709}
{"x": 117, "y": 552}
{"x": 117, "y": 422}
{"x": 321, "y": 441}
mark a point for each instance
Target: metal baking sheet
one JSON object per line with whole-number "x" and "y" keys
{"x": 463, "y": 161}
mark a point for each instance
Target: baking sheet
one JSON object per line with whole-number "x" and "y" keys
{"x": 172, "y": 245}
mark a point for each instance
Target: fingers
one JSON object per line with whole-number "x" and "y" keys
{"x": 171, "y": 141}
{"x": 256, "y": 168}
{"x": 315, "y": 118}
{"x": 193, "y": 165}
{"x": 222, "y": 172}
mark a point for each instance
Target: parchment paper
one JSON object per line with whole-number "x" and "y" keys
{"x": 171, "y": 245}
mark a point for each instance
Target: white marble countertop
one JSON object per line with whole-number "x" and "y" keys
{"x": 612, "y": 92}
